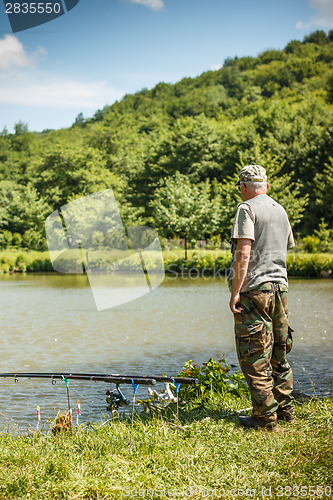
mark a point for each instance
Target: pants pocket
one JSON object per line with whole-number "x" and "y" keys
{"x": 250, "y": 339}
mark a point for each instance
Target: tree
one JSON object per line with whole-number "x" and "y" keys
{"x": 23, "y": 211}
{"x": 79, "y": 120}
{"x": 318, "y": 37}
{"x": 185, "y": 209}
{"x": 71, "y": 170}
{"x": 323, "y": 189}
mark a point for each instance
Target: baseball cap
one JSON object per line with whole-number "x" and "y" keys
{"x": 252, "y": 173}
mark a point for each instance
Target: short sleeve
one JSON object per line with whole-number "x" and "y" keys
{"x": 244, "y": 224}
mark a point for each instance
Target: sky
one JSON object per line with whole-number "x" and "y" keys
{"x": 103, "y": 49}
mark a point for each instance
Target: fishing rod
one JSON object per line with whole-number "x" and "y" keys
{"x": 102, "y": 377}
{"x": 115, "y": 398}
{"x": 158, "y": 378}
{"x": 118, "y": 379}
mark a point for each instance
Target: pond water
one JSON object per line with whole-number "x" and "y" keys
{"x": 50, "y": 323}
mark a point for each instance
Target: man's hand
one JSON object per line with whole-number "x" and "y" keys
{"x": 233, "y": 301}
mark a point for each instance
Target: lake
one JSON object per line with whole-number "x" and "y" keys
{"x": 50, "y": 323}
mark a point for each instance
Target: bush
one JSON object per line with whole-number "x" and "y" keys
{"x": 6, "y": 239}
{"x": 309, "y": 266}
{"x": 311, "y": 243}
{"x": 6, "y": 265}
{"x": 17, "y": 240}
{"x": 214, "y": 377}
{"x": 21, "y": 263}
{"x": 40, "y": 265}
{"x": 34, "y": 240}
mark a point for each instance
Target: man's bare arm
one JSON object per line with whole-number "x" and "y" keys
{"x": 241, "y": 262}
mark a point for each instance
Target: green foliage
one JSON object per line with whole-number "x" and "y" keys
{"x": 40, "y": 265}
{"x": 6, "y": 239}
{"x": 323, "y": 190}
{"x": 329, "y": 87}
{"x": 21, "y": 208}
{"x": 319, "y": 37}
{"x": 214, "y": 378}
{"x": 274, "y": 109}
{"x": 17, "y": 240}
{"x": 6, "y": 264}
{"x": 321, "y": 240}
{"x": 21, "y": 263}
{"x": 325, "y": 236}
{"x": 310, "y": 265}
{"x": 311, "y": 243}
{"x": 66, "y": 171}
{"x": 207, "y": 263}
{"x": 34, "y": 240}
{"x": 185, "y": 209}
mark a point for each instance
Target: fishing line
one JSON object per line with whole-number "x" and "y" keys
{"x": 135, "y": 387}
{"x": 177, "y": 385}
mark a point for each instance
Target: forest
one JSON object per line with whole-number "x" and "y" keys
{"x": 171, "y": 154}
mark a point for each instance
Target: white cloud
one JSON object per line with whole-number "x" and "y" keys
{"x": 216, "y": 67}
{"x": 56, "y": 93}
{"x": 12, "y": 53}
{"x": 21, "y": 83}
{"x": 153, "y": 4}
{"x": 303, "y": 26}
{"x": 323, "y": 18}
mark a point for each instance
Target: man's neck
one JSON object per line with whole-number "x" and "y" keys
{"x": 248, "y": 196}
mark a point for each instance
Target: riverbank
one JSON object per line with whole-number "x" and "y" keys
{"x": 215, "y": 458}
{"x": 199, "y": 263}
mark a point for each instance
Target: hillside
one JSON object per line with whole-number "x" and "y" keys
{"x": 275, "y": 109}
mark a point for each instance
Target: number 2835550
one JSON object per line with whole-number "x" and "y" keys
{"x": 33, "y": 8}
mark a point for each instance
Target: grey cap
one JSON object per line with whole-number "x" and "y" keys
{"x": 252, "y": 173}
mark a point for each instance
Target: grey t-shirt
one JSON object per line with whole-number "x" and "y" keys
{"x": 265, "y": 222}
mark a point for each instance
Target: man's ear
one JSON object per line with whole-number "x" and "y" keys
{"x": 267, "y": 186}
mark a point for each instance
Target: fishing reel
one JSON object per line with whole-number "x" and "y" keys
{"x": 115, "y": 399}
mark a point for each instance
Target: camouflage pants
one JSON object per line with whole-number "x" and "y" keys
{"x": 263, "y": 339}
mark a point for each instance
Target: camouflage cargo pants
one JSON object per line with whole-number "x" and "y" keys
{"x": 263, "y": 339}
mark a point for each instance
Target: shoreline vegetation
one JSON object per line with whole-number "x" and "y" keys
{"x": 200, "y": 263}
{"x": 204, "y": 455}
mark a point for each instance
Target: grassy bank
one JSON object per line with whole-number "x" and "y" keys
{"x": 199, "y": 262}
{"x": 215, "y": 458}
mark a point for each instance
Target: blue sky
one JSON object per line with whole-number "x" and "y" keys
{"x": 103, "y": 49}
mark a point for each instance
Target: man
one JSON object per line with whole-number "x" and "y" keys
{"x": 260, "y": 237}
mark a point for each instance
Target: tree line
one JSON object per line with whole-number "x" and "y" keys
{"x": 171, "y": 154}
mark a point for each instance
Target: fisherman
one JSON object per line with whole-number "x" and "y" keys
{"x": 260, "y": 237}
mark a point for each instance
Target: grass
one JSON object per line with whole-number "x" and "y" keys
{"x": 214, "y": 453}
{"x": 205, "y": 261}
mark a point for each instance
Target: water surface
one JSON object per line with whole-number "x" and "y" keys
{"x": 50, "y": 323}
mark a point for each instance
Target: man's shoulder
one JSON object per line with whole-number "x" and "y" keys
{"x": 263, "y": 199}
{"x": 245, "y": 210}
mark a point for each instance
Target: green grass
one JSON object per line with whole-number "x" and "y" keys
{"x": 22, "y": 260}
{"x": 96, "y": 462}
{"x": 204, "y": 261}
